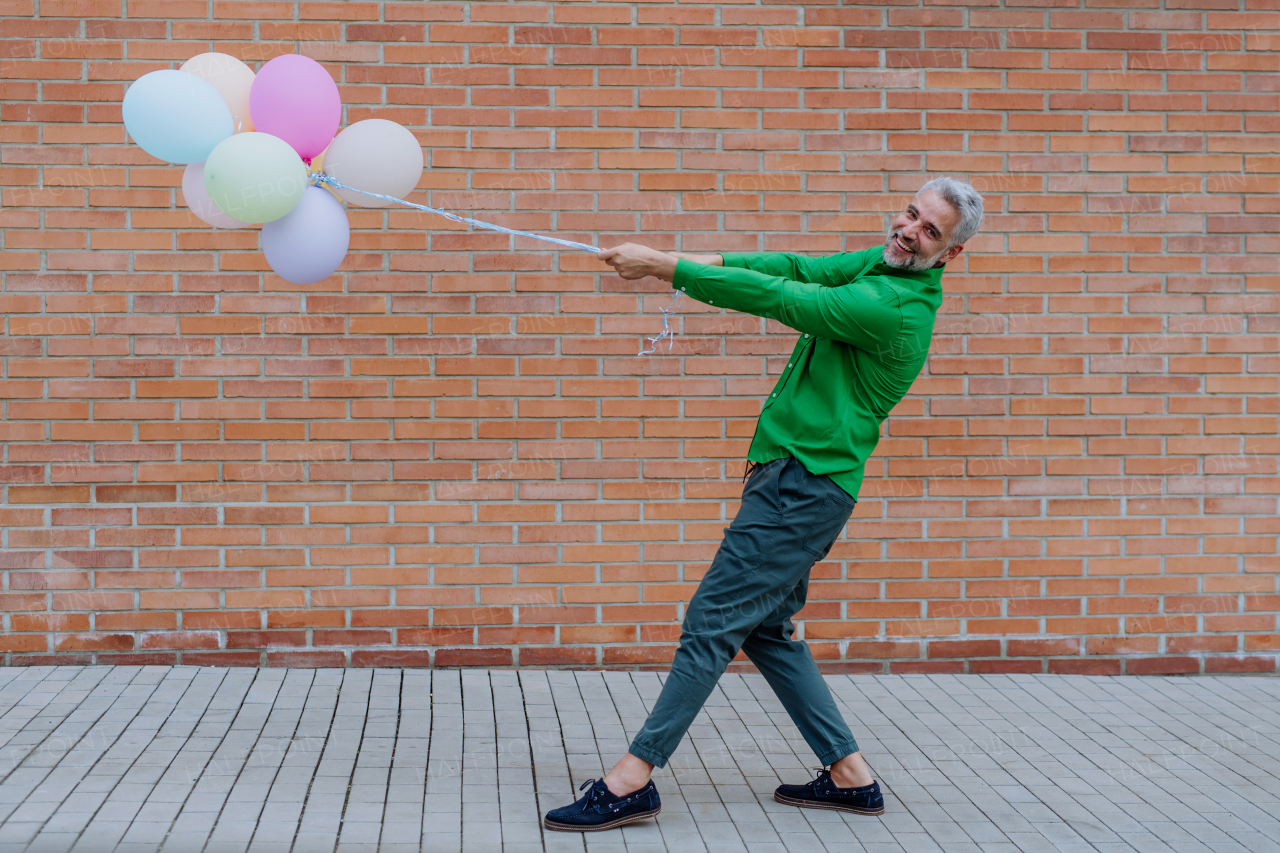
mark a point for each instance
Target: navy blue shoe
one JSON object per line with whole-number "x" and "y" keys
{"x": 822, "y": 793}
{"x": 600, "y": 809}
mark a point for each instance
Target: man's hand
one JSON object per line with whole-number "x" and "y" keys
{"x": 631, "y": 260}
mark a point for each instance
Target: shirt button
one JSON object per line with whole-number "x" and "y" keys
{"x": 775, "y": 395}
{"x": 806, "y": 336}
{"x": 788, "y": 364}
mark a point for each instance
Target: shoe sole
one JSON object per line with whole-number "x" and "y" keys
{"x": 810, "y": 804}
{"x": 568, "y": 827}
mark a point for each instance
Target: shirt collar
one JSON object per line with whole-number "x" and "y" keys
{"x": 914, "y": 279}
{"x": 929, "y": 276}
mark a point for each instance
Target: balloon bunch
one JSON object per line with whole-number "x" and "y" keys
{"x": 261, "y": 148}
{"x": 255, "y": 145}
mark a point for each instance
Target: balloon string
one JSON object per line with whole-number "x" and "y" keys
{"x": 667, "y": 332}
{"x": 321, "y": 178}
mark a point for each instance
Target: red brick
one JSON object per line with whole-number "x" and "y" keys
{"x": 963, "y": 648}
{"x": 556, "y": 656}
{"x": 1035, "y": 648}
{"x": 898, "y": 667}
{"x": 310, "y": 658}
{"x": 391, "y": 657}
{"x": 1162, "y": 666}
{"x": 1242, "y": 663}
{"x": 1085, "y": 666}
{"x": 473, "y": 657}
{"x": 1005, "y": 666}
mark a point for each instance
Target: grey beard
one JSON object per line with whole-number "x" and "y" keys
{"x": 915, "y": 263}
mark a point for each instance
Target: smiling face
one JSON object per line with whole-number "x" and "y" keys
{"x": 918, "y": 237}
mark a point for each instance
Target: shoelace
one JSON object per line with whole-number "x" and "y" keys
{"x": 622, "y": 801}
{"x": 593, "y": 794}
{"x": 826, "y": 772}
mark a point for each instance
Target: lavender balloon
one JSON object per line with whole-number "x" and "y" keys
{"x": 294, "y": 98}
{"x": 309, "y": 242}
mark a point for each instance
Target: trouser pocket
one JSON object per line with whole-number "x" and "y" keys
{"x": 826, "y": 526}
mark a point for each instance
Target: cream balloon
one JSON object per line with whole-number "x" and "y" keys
{"x": 231, "y": 77}
{"x": 375, "y": 155}
{"x": 197, "y": 198}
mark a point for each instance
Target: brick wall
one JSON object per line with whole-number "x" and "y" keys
{"x": 448, "y": 453}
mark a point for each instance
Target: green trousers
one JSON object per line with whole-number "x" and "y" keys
{"x": 759, "y": 578}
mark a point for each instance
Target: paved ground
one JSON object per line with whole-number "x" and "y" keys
{"x": 181, "y": 759}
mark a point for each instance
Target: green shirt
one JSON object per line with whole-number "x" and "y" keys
{"x": 865, "y": 330}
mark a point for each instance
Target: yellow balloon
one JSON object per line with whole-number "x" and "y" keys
{"x": 317, "y": 165}
{"x": 232, "y": 78}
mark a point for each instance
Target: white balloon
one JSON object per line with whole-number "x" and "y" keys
{"x": 375, "y": 155}
{"x": 231, "y": 77}
{"x": 197, "y": 198}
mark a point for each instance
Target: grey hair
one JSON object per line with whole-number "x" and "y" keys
{"x": 965, "y": 199}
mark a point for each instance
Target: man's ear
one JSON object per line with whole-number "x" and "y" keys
{"x": 951, "y": 253}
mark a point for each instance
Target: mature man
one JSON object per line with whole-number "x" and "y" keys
{"x": 865, "y": 321}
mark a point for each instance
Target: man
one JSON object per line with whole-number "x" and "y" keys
{"x": 865, "y": 321}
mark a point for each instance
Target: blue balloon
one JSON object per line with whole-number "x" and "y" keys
{"x": 175, "y": 116}
{"x": 309, "y": 242}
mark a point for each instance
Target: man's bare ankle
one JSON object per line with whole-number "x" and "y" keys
{"x": 621, "y": 786}
{"x": 848, "y": 780}
{"x": 851, "y": 772}
{"x": 628, "y": 776}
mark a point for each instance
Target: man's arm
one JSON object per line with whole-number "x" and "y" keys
{"x": 830, "y": 271}
{"x": 713, "y": 260}
{"x": 632, "y": 261}
{"x": 865, "y": 313}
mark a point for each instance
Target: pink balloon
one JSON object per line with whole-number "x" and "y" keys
{"x": 294, "y": 98}
{"x": 197, "y": 198}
